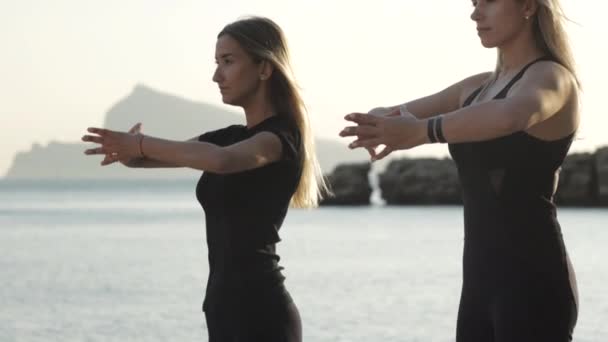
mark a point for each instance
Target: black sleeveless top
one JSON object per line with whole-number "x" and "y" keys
{"x": 508, "y": 187}
{"x": 244, "y": 212}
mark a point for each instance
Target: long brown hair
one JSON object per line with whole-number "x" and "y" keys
{"x": 264, "y": 40}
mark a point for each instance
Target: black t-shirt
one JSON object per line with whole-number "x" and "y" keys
{"x": 244, "y": 211}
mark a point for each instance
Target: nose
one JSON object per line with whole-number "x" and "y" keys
{"x": 217, "y": 78}
{"x": 475, "y": 15}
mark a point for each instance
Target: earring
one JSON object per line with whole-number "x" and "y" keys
{"x": 527, "y": 17}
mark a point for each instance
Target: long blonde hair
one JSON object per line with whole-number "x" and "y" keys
{"x": 265, "y": 41}
{"x": 550, "y": 36}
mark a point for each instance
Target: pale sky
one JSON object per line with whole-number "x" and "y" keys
{"x": 63, "y": 63}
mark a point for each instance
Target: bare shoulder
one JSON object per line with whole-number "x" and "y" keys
{"x": 548, "y": 75}
{"x": 470, "y": 84}
{"x": 552, "y": 91}
{"x": 477, "y": 80}
{"x": 473, "y": 82}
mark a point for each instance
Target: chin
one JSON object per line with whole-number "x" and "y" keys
{"x": 226, "y": 99}
{"x": 230, "y": 101}
{"x": 488, "y": 44}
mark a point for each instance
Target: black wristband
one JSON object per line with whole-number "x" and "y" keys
{"x": 439, "y": 129}
{"x": 430, "y": 130}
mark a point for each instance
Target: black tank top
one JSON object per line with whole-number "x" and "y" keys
{"x": 508, "y": 188}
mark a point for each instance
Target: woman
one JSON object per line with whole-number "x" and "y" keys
{"x": 508, "y": 132}
{"x": 252, "y": 173}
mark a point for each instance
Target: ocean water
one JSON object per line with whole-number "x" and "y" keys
{"x": 124, "y": 261}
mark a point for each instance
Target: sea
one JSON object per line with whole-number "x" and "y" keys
{"x": 127, "y": 261}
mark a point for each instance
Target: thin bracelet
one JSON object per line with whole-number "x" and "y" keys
{"x": 439, "y": 129}
{"x": 430, "y": 130}
{"x": 141, "y": 149}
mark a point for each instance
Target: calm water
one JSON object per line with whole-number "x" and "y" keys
{"x": 127, "y": 262}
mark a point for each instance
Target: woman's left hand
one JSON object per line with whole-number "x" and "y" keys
{"x": 121, "y": 145}
{"x": 394, "y": 132}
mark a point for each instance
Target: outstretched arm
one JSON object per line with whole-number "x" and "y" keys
{"x": 540, "y": 94}
{"x": 259, "y": 150}
{"x": 147, "y": 162}
{"x": 543, "y": 91}
{"x": 447, "y": 100}
{"x": 132, "y": 162}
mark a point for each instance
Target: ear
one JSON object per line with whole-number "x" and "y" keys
{"x": 266, "y": 69}
{"x": 529, "y": 9}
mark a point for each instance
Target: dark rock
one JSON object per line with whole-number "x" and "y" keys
{"x": 577, "y": 181}
{"x": 349, "y": 184}
{"x": 421, "y": 181}
{"x": 601, "y": 168}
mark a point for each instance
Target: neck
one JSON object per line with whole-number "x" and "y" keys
{"x": 258, "y": 109}
{"x": 519, "y": 51}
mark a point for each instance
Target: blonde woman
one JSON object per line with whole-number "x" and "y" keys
{"x": 251, "y": 174}
{"x": 508, "y": 132}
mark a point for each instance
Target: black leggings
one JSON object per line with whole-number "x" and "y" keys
{"x": 277, "y": 323}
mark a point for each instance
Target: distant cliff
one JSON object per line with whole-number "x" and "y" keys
{"x": 162, "y": 115}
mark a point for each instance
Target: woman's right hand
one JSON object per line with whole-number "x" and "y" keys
{"x": 128, "y": 162}
{"x": 381, "y": 111}
{"x": 394, "y": 132}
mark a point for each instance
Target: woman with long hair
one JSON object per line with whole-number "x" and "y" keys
{"x": 251, "y": 175}
{"x": 508, "y": 132}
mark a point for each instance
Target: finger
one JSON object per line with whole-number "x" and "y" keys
{"x": 109, "y": 159}
{"x": 363, "y": 119}
{"x": 98, "y": 150}
{"x": 92, "y": 138}
{"x": 404, "y": 112}
{"x": 366, "y": 143}
{"x": 372, "y": 152}
{"x": 385, "y": 152}
{"x": 100, "y": 131}
{"x": 360, "y": 131}
{"x": 136, "y": 128}
{"x": 395, "y": 112}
